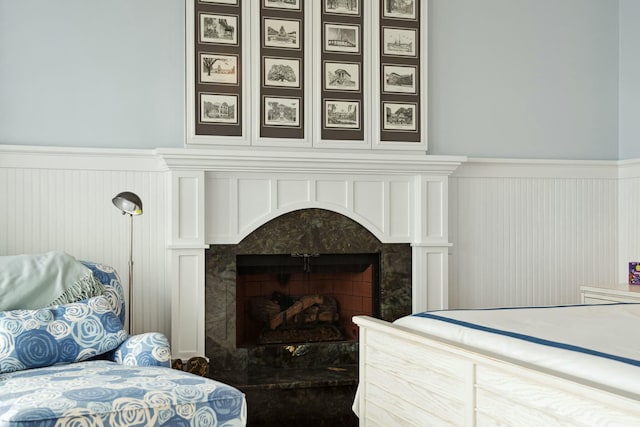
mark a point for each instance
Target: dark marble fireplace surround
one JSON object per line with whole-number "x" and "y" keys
{"x": 321, "y": 369}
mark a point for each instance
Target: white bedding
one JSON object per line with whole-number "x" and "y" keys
{"x": 599, "y": 343}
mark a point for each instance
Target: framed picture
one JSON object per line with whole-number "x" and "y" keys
{"x": 341, "y": 114}
{"x": 282, "y": 72}
{"x": 281, "y": 111}
{"x": 398, "y": 41}
{"x": 282, "y": 4}
{"x": 399, "y": 116}
{"x": 342, "y": 76}
{"x": 341, "y": 38}
{"x": 282, "y": 33}
{"x": 399, "y": 9}
{"x": 399, "y": 78}
{"x": 219, "y": 29}
{"x": 222, "y": 69}
{"x": 231, "y": 2}
{"x": 342, "y": 7}
{"x": 217, "y": 108}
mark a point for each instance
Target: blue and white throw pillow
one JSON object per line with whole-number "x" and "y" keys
{"x": 61, "y": 334}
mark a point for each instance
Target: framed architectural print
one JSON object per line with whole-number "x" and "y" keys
{"x": 342, "y": 38}
{"x": 399, "y": 41}
{"x": 282, "y": 33}
{"x": 282, "y": 4}
{"x": 281, "y": 72}
{"x": 229, "y": 2}
{"x": 341, "y": 76}
{"x": 280, "y": 111}
{"x": 218, "y": 108}
{"x": 218, "y": 29}
{"x": 399, "y": 78}
{"x": 342, "y": 114}
{"x": 399, "y": 9}
{"x": 399, "y": 116}
{"x": 342, "y": 7}
{"x": 221, "y": 69}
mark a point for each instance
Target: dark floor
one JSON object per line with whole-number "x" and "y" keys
{"x": 306, "y": 397}
{"x": 305, "y": 407}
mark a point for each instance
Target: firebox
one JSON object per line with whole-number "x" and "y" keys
{"x": 303, "y": 297}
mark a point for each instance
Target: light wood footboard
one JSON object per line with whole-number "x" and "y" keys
{"x": 412, "y": 379}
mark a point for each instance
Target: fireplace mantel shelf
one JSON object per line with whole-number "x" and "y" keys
{"x": 306, "y": 161}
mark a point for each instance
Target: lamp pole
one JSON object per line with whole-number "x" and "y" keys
{"x": 130, "y": 320}
{"x": 129, "y": 203}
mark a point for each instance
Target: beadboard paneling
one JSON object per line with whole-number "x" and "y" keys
{"x": 629, "y": 215}
{"x": 522, "y": 238}
{"x": 50, "y": 205}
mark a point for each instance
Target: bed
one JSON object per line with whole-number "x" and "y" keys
{"x": 536, "y": 366}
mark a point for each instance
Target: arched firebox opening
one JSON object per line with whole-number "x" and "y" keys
{"x": 281, "y": 256}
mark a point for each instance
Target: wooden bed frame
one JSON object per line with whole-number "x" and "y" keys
{"x": 409, "y": 378}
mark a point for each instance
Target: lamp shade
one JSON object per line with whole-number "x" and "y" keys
{"x": 128, "y": 203}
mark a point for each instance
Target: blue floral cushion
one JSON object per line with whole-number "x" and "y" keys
{"x": 108, "y": 276}
{"x": 148, "y": 349}
{"x": 102, "y": 393}
{"x": 61, "y": 334}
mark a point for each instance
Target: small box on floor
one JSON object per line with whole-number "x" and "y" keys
{"x": 634, "y": 273}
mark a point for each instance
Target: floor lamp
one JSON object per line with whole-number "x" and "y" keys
{"x": 129, "y": 203}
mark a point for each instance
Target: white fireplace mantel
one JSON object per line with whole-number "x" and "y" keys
{"x": 219, "y": 196}
{"x": 306, "y": 161}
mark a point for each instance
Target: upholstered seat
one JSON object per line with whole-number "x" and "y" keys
{"x": 104, "y": 393}
{"x": 74, "y": 365}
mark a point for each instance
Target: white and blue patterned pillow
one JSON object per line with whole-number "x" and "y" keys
{"x": 61, "y": 334}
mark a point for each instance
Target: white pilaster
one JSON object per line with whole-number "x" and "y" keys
{"x": 430, "y": 244}
{"x": 186, "y": 262}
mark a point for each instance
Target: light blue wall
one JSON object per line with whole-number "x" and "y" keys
{"x": 524, "y": 78}
{"x": 94, "y": 73}
{"x": 629, "y": 79}
{"x": 507, "y": 78}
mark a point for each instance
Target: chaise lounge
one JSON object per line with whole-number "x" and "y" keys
{"x": 73, "y": 364}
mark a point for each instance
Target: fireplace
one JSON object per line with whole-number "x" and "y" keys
{"x": 298, "y": 298}
{"x": 313, "y": 253}
{"x": 219, "y": 197}
{"x": 309, "y": 252}
{"x": 229, "y": 202}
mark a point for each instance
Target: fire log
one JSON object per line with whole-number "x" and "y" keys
{"x": 298, "y": 306}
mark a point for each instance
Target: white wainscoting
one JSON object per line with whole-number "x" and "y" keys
{"x": 523, "y": 232}
{"x": 60, "y": 199}
{"x": 531, "y": 232}
{"x": 628, "y": 215}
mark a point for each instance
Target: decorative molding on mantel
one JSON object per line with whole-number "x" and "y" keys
{"x": 78, "y": 158}
{"x": 297, "y": 161}
{"x": 537, "y": 168}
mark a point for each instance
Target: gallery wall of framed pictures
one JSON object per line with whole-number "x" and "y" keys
{"x": 341, "y": 56}
{"x": 399, "y": 70}
{"x": 325, "y": 73}
{"x": 218, "y": 61}
{"x": 282, "y": 69}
